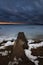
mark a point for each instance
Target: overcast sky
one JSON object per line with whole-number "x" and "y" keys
{"x": 30, "y": 11}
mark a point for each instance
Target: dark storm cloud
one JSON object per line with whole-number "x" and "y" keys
{"x": 30, "y": 11}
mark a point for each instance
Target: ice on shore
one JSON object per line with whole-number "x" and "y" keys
{"x": 28, "y": 52}
{"x": 4, "y": 53}
{"x": 2, "y": 47}
{"x": 30, "y": 41}
{"x": 9, "y": 43}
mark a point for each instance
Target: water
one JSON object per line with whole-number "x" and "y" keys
{"x": 11, "y": 31}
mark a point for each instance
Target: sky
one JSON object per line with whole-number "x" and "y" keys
{"x": 29, "y": 11}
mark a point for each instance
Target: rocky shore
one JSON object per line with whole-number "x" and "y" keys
{"x": 21, "y": 51}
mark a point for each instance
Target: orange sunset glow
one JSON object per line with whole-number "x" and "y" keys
{"x": 12, "y": 23}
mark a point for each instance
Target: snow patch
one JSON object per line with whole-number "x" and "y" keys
{"x": 28, "y": 51}
{"x": 2, "y": 47}
{"x": 9, "y": 43}
{"x": 4, "y": 53}
{"x": 30, "y": 41}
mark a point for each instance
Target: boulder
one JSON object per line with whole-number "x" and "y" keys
{"x": 18, "y": 50}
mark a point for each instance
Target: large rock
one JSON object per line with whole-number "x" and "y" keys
{"x": 18, "y": 50}
{"x": 19, "y": 45}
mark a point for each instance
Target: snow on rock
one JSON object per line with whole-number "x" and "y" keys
{"x": 9, "y": 51}
{"x": 28, "y": 54}
{"x": 31, "y": 57}
{"x": 30, "y": 41}
{"x": 35, "y": 45}
{"x": 13, "y": 62}
{"x": 36, "y": 62}
{"x": 4, "y": 53}
{"x": 40, "y": 56}
{"x": 2, "y": 47}
{"x": 28, "y": 51}
{"x": 9, "y": 43}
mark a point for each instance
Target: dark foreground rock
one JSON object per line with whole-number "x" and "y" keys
{"x": 38, "y": 52}
{"x": 40, "y": 61}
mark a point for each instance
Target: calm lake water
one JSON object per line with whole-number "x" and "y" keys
{"x": 11, "y": 31}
